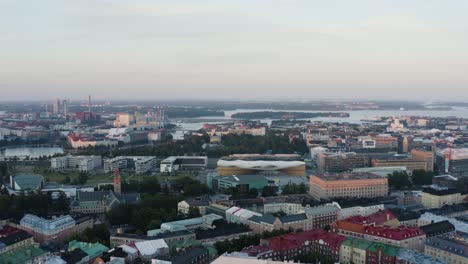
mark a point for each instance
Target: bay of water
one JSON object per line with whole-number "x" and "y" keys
{"x": 355, "y": 116}
{"x": 30, "y": 152}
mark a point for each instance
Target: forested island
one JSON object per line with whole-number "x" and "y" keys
{"x": 286, "y": 115}
{"x": 191, "y": 112}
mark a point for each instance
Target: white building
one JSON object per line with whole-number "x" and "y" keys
{"x": 76, "y": 163}
{"x": 364, "y": 210}
{"x": 152, "y": 248}
{"x": 238, "y": 215}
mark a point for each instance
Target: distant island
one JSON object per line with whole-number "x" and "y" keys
{"x": 286, "y": 115}
{"x": 191, "y": 112}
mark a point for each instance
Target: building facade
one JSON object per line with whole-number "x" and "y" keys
{"x": 357, "y": 185}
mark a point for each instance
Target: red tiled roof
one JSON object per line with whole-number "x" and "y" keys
{"x": 8, "y": 231}
{"x": 294, "y": 240}
{"x": 377, "y": 218}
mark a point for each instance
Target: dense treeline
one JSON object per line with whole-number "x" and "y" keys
{"x": 35, "y": 203}
{"x": 149, "y": 213}
{"x": 191, "y": 145}
{"x": 185, "y": 112}
{"x": 292, "y": 188}
{"x": 231, "y": 144}
{"x": 399, "y": 179}
{"x": 98, "y": 233}
{"x": 286, "y": 115}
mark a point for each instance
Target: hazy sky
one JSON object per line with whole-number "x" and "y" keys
{"x": 247, "y": 49}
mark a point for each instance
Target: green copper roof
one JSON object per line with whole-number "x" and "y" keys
{"x": 388, "y": 250}
{"x": 357, "y": 243}
{"x": 93, "y": 250}
{"x": 21, "y": 255}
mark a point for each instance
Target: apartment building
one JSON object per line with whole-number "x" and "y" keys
{"x": 76, "y": 163}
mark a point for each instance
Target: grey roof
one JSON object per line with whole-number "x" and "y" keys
{"x": 455, "y": 243}
{"x": 438, "y": 228}
{"x": 90, "y": 196}
{"x": 319, "y": 210}
{"x": 417, "y": 257}
{"x": 268, "y": 218}
{"x": 293, "y": 218}
{"x": 198, "y": 201}
{"x": 129, "y": 198}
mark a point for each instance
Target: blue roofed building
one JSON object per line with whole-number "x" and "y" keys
{"x": 22, "y": 182}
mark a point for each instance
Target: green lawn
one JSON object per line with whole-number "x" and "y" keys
{"x": 94, "y": 178}
{"x": 50, "y": 176}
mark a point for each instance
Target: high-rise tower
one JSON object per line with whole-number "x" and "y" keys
{"x": 89, "y": 103}
{"x": 117, "y": 182}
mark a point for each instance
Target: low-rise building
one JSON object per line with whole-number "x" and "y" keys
{"x": 24, "y": 182}
{"x": 169, "y": 237}
{"x": 437, "y": 196}
{"x": 238, "y": 215}
{"x": 430, "y": 218}
{"x": 193, "y": 203}
{"x": 12, "y": 238}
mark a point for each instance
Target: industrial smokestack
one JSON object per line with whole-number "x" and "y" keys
{"x": 89, "y": 103}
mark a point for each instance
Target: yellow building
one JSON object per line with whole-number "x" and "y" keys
{"x": 436, "y": 197}
{"x": 351, "y": 184}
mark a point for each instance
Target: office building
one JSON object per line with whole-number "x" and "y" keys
{"x": 338, "y": 162}
{"x": 76, "y": 163}
{"x": 124, "y": 120}
{"x": 140, "y": 164}
{"x": 401, "y": 161}
{"x": 453, "y": 161}
{"x": 247, "y": 164}
{"x": 183, "y": 163}
{"x": 56, "y": 106}
{"x": 424, "y": 155}
{"x": 346, "y": 184}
